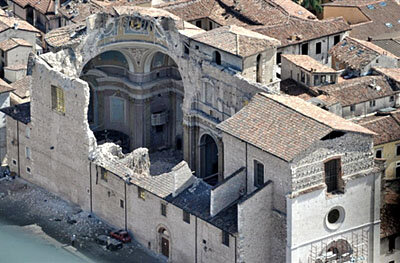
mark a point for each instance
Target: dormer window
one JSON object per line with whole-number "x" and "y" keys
{"x": 217, "y": 57}
{"x": 333, "y": 175}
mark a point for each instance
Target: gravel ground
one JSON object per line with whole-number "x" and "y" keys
{"x": 22, "y": 203}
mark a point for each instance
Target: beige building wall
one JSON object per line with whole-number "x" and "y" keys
{"x": 389, "y": 151}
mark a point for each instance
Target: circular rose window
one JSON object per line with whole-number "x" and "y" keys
{"x": 335, "y": 218}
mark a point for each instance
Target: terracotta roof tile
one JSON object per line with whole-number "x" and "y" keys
{"x": 236, "y": 40}
{"x": 22, "y": 87}
{"x": 393, "y": 73}
{"x": 308, "y": 63}
{"x": 294, "y": 30}
{"x": 384, "y": 20}
{"x": 13, "y": 42}
{"x": 357, "y": 53}
{"x": 7, "y": 22}
{"x": 5, "y": 87}
{"x": 359, "y": 90}
{"x": 387, "y": 128}
{"x": 43, "y": 6}
{"x": 284, "y": 125}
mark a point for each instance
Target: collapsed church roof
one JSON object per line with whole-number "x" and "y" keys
{"x": 284, "y": 125}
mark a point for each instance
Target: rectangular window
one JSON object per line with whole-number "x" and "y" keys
{"x": 198, "y": 23}
{"x": 121, "y": 203}
{"x": 278, "y": 58}
{"x": 391, "y": 99}
{"x": 258, "y": 174}
{"x": 186, "y": 217}
{"x": 28, "y": 153}
{"x": 141, "y": 193}
{"x": 332, "y": 175}
{"x": 392, "y": 243}
{"x": 163, "y": 209}
{"x": 316, "y": 80}
{"x": 104, "y": 174}
{"x": 57, "y": 99}
{"x": 336, "y": 39}
{"x": 28, "y": 132}
{"x": 28, "y": 170}
{"x": 225, "y": 238}
{"x": 117, "y": 110}
{"x": 318, "y": 48}
{"x": 303, "y": 77}
{"x": 304, "y": 49}
{"x": 378, "y": 153}
{"x": 398, "y": 170}
{"x": 308, "y": 79}
{"x": 372, "y": 103}
{"x": 398, "y": 149}
{"x": 352, "y": 108}
{"x": 323, "y": 79}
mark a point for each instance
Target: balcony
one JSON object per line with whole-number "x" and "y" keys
{"x": 159, "y": 118}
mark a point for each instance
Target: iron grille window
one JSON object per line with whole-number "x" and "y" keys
{"x": 57, "y": 99}
{"x": 225, "y": 238}
{"x": 332, "y": 175}
{"x": 258, "y": 174}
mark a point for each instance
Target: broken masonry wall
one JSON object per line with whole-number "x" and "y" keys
{"x": 255, "y": 226}
{"x": 60, "y": 141}
{"x": 355, "y": 151}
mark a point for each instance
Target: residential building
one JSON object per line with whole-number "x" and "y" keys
{"x": 14, "y": 51}
{"x": 307, "y": 71}
{"x": 357, "y": 57}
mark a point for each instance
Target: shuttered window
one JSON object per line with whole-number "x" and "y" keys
{"x": 57, "y": 99}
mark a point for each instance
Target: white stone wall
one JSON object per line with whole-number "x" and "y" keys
{"x": 255, "y": 226}
{"x": 307, "y": 217}
{"x": 18, "y": 56}
{"x": 26, "y": 35}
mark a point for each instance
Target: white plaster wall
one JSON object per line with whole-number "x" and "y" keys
{"x": 17, "y": 33}
{"x": 307, "y": 215}
{"x": 14, "y": 75}
{"x": 4, "y": 102}
{"x": 18, "y": 56}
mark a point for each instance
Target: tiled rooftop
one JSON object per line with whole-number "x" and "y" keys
{"x": 308, "y": 63}
{"x": 236, "y": 40}
{"x": 387, "y": 128}
{"x": 294, "y": 30}
{"x": 357, "y": 53}
{"x": 393, "y": 73}
{"x": 43, "y": 6}
{"x": 21, "y": 87}
{"x": 4, "y": 86}
{"x": 8, "y": 22}
{"x": 357, "y": 90}
{"x": 12, "y": 43}
{"x": 284, "y": 125}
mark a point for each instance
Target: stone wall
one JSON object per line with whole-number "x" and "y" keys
{"x": 354, "y": 150}
{"x": 255, "y": 226}
{"x": 228, "y": 191}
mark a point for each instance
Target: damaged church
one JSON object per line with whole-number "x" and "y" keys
{"x": 179, "y": 135}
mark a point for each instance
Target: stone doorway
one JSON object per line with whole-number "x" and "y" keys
{"x": 164, "y": 242}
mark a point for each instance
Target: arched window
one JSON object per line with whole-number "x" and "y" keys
{"x": 258, "y": 69}
{"x": 217, "y": 57}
